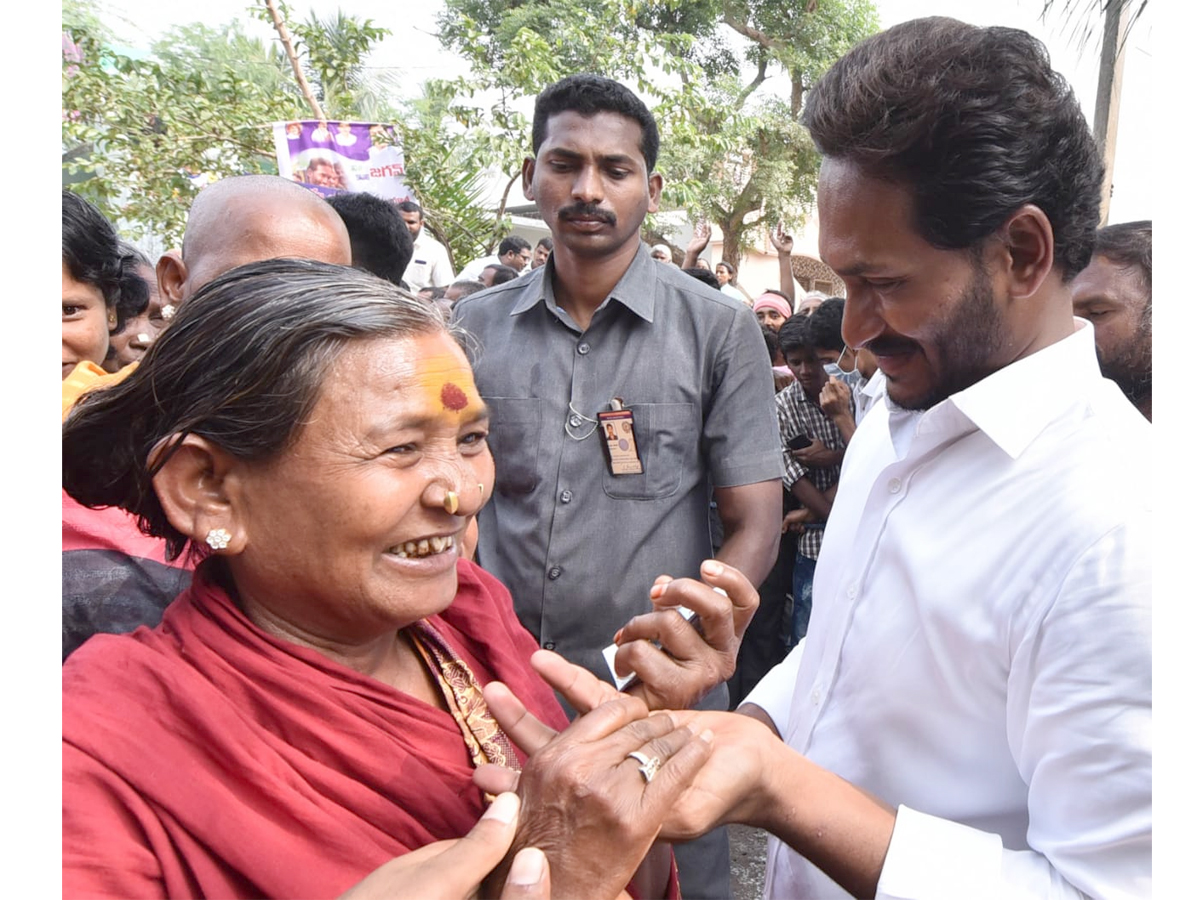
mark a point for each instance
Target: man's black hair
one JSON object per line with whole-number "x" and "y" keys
{"x": 588, "y": 94}
{"x": 501, "y": 274}
{"x": 467, "y": 288}
{"x": 512, "y": 244}
{"x": 380, "y": 242}
{"x": 702, "y": 274}
{"x": 796, "y": 334}
{"x": 411, "y": 206}
{"x": 546, "y": 243}
{"x": 975, "y": 122}
{"x": 1128, "y": 245}
{"x": 826, "y": 324}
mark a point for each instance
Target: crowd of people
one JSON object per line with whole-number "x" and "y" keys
{"x": 380, "y": 581}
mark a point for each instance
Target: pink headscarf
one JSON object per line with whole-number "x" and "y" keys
{"x": 775, "y": 302}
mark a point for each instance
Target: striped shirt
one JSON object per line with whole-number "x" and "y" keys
{"x": 799, "y": 415}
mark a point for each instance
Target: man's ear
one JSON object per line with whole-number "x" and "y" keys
{"x": 656, "y": 187}
{"x": 199, "y": 487}
{"x": 172, "y": 274}
{"x": 1027, "y": 242}
{"x": 527, "y": 177}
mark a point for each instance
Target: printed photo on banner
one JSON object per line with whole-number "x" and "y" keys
{"x": 334, "y": 157}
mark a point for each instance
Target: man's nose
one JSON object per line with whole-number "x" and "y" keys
{"x": 860, "y": 317}
{"x": 588, "y": 186}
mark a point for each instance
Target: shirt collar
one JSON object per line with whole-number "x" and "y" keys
{"x": 635, "y": 290}
{"x": 1015, "y": 404}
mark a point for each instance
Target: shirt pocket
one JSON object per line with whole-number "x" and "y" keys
{"x": 514, "y": 430}
{"x": 667, "y": 437}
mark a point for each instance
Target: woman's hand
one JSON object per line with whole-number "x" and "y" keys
{"x": 592, "y": 808}
{"x": 454, "y": 870}
{"x": 690, "y": 660}
{"x": 724, "y": 790}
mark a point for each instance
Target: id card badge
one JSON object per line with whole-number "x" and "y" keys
{"x": 620, "y": 444}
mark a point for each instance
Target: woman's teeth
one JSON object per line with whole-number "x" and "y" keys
{"x": 424, "y": 547}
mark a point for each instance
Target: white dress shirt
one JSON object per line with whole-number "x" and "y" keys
{"x": 430, "y": 263}
{"x": 979, "y": 650}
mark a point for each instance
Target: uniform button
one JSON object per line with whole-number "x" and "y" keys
{"x": 548, "y": 645}
{"x": 894, "y": 486}
{"x": 584, "y": 348}
{"x": 554, "y": 572}
{"x": 565, "y": 496}
{"x": 575, "y": 421}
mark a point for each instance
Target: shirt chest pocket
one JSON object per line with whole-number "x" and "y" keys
{"x": 668, "y": 440}
{"x": 514, "y": 430}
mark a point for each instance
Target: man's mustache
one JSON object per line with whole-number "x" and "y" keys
{"x": 890, "y": 346}
{"x": 587, "y": 211}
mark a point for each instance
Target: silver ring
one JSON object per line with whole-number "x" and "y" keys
{"x": 649, "y": 764}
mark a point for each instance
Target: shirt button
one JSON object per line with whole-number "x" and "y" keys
{"x": 565, "y": 496}
{"x": 554, "y": 572}
{"x": 549, "y": 645}
{"x": 852, "y": 591}
{"x": 894, "y": 486}
{"x": 575, "y": 421}
{"x": 816, "y": 695}
{"x": 584, "y": 348}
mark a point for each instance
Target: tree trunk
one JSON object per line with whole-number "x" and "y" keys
{"x": 286, "y": 39}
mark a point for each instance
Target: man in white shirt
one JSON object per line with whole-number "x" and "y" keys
{"x": 514, "y": 251}
{"x": 969, "y": 715}
{"x": 430, "y": 263}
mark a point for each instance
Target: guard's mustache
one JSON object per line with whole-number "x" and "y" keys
{"x": 587, "y": 211}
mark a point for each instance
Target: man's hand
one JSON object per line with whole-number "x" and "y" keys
{"x": 835, "y": 399}
{"x": 699, "y": 239}
{"x": 796, "y": 520}
{"x": 454, "y": 870}
{"x": 782, "y": 242}
{"x": 817, "y": 456}
{"x": 691, "y": 661}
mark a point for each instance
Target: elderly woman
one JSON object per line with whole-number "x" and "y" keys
{"x": 101, "y": 291}
{"x": 311, "y": 708}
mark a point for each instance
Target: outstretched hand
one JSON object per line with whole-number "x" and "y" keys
{"x": 700, "y": 238}
{"x": 689, "y": 661}
{"x": 780, "y": 240}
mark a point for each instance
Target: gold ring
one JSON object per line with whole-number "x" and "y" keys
{"x": 450, "y": 502}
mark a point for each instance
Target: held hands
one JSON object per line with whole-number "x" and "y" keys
{"x": 690, "y": 662}
{"x": 724, "y": 789}
{"x": 593, "y": 809}
{"x": 453, "y": 870}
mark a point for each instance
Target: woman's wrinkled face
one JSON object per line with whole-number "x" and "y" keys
{"x": 347, "y": 534}
{"x": 85, "y": 323}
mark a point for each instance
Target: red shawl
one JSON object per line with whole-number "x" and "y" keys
{"x": 207, "y": 758}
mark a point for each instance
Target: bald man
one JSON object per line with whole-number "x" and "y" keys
{"x": 245, "y": 219}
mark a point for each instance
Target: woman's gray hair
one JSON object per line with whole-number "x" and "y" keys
{"x": 241, "y": 364}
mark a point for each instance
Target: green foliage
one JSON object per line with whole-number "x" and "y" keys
{"x": 136, "y": 133}
{"x": 731, "y": 153}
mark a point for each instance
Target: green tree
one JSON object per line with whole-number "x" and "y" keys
{"x": 138, "y": 133}
{"x": 732, "y": 152}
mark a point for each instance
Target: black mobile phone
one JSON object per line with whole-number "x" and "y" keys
{"x": 799, "y": 442}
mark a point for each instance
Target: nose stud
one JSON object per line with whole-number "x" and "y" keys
{"x": 450, "y": 502}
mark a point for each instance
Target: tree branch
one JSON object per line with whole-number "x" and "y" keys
{"x": 286, "y": 39}
{"x": 753, "y": 85}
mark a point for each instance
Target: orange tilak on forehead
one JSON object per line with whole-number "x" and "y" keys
{"x": 449, "y": 387}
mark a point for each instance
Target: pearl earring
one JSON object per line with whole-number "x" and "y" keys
{"x": 218, "y": 538}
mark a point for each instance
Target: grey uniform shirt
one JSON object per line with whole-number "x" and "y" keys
{"x": 577, "y": 546}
